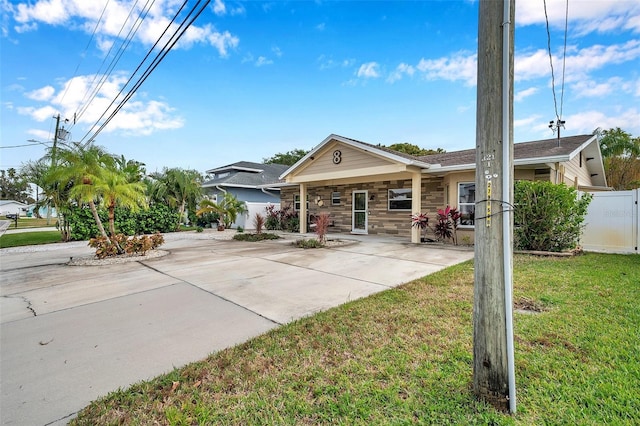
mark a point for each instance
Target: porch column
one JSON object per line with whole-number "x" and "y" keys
{"x": 416, "y": 202}
{"x": 303, "y": 208}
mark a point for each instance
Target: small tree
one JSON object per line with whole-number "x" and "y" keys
{"x": 548, "y": 217}
{"x": 322, "y": 226}
{"x": 258, "y": 222}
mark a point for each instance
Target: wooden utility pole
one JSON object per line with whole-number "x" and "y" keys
{"x": 491, "y": 315}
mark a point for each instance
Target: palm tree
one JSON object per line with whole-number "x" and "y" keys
{"x": 228, "y": 208}
{"x": 115, "y": 188}
{"x": 82, "y": 166}
{"x": 177, "y": 187}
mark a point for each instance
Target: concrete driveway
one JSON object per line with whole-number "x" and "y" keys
{"x": 70, "y": 334}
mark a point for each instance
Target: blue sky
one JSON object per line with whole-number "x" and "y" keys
{"x": 251, "y": 78}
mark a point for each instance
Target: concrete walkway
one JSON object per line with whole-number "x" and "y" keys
{"x": 70, "y": 334}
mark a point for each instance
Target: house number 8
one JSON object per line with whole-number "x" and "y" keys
{"x": 337, "y": 157}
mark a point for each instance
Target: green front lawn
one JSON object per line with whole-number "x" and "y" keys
{"x": 404, "y": 356}
{"x": 29, "y": 238}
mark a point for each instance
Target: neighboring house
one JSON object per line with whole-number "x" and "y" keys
{"x": 12, "y": 207}
{"x": 248, "y": 182}
{"x": 369, "y": 189}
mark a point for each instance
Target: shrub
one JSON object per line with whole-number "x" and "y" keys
{"x": 322, "y": 225}
{"x": 255, "y": 237}
{"x": 284, "y": 219}
{"x": 446, "y": 227}
{"x": 240, "y": 229}
{"x": 199, "y": 229}
{"x": 108, "y": 247}
{"x": 547, "y": 216}
{"x": 310, "y": 243}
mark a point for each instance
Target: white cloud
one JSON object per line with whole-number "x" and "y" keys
{"x": 321, "y": 26}
{"x": 526, "y": 122}
{"x": 525, "y": 94}
{"x": 276, "y": 51}
{"x": 579, "y": 62}
{"x": 138, "y": 116}
{"x": 42, "y": 94}
{"x": 590, "y": 88}
{"x": 84, "y": 15}
{"x": 263, "y": 61}
{"x": 461, "y": 66}
{"x": 39, "y": 134}
{"x": 400, "y": 71}
{"x": 587, "y": 121}
{"x": 585, "y": 16}
{"x": 219, "y": 7}
{"x": 369, "y": 70}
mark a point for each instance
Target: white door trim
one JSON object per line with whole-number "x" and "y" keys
{"x": 364, "y": 212}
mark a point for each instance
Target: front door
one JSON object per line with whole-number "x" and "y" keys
{"x": 359, "y": 216}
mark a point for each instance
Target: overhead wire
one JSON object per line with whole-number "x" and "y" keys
{"x": 93, "y": 91}
{"x": 564, "y": 57}
{"x": 180, "y": 31}
{"x": 139, "y": 65}
{"x": 84, "y": 53}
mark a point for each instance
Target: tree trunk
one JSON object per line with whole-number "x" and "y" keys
{"x": 94, "y": 211}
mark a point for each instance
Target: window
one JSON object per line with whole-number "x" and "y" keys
{"x": 335, "y": 198}
{"x": 467, "y": 203}
{"x": 400, "y": 199}
{"x": 296, "y": 202}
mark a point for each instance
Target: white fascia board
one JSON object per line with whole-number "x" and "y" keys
{"x": 357, "y": 145}
{"x": 584, "y": 145}
{"x": 436, "y": 168}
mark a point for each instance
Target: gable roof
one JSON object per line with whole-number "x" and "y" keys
{"x": 246, "y": 174}
{"x": 382, "y": 151}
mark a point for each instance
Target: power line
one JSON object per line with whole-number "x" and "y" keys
{"x": 558, "y": 123}
{"x": 138, "y": 67}
{"x": 92, "y": 93}
{"x": 184, "y": 26}
{"x": 84, "y": 53}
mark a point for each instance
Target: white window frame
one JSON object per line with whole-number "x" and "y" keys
{"x": 296, "y": 203}
{"x": 400, "y": 190}
{"x": 466, "y": 203}
{"x": 335, "y": 198}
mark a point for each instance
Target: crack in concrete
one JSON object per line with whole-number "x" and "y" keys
{"x": 211, "y": 293}
{"x": 25, "y": 300}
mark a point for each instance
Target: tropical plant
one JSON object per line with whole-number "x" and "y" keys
{"x": 285, "y": 219}
{"x": 420, "y": 220}
{"x": 179, "y": 188}
{"x": 82, "y": 167}
{"x": 446, "y": 226}
{"x": 116, "y": 189}
{"x": 548, "y": 217}
{"x": 258, "y": 223}
{"x": 322, "y": 222}
{"x": 229, "y": 207}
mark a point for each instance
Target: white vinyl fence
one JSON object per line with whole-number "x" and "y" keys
{"x": 612, "y": 222}
{"x": 246, "y": 220}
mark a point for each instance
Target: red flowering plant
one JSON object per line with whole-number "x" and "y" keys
{"x": 447, "y": 226}
{"x": 420, "y": 220}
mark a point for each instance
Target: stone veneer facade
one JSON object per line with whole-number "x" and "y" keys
{"x": 381, "y": 219}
